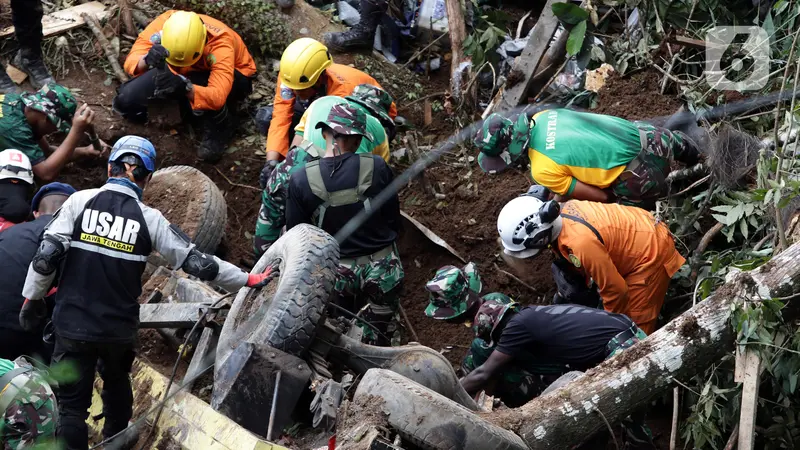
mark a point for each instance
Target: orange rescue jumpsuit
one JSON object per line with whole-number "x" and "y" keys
{"x": 340, "y": 81}
{"x": 224, "y": 52}
{"x": 634, "y": 266}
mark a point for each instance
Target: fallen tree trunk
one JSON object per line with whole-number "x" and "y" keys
{"x": 682, "y": 349}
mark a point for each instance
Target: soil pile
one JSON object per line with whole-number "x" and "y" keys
{"x": 636, "y": 97}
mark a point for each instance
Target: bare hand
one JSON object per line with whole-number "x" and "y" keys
{"x": 83, "y": 117}
{"x": 88, "y": 152}
{"x": 105, "y": 149}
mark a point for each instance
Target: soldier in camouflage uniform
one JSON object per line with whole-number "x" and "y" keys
{"x": 370, "y": 272}
{"x": 374, "y": 101}
{"x": 29, "y": 407}
{"x": 27, "y": 118}
{"x": 587, "y": 156}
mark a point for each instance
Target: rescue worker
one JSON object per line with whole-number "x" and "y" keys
{"x": 26, "y": 119}
{"x": 327, "y": 193}
{"x": 362, "y": 35}
{"x": 307, "y": 73}
{"x": 196, "y": 60}
{"x": 109, "y": 231}
{"x": 26, "y": 15}
{"x": 372, "y": 100}
{"x": 624, "y": 250}
{"x": 17, "y": 247}
{"x": 28, "y": 406}
{"x": 455, "y": 298}
{"x": 16, "y": 186}
{"x": 572, "y": 335}
{"x": 587, "y": 156}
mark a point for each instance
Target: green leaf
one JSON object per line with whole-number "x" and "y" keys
{"x": 722, "y": 208}
{"x": 570, "y": 13}
{"x": 743, "y": 228}
{"x": 720, "y": 218}
{"x": 792, "y": 383}
{"x": 576, "y": 36}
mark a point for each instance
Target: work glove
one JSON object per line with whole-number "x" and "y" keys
{"x": 156, "y": 57}
{"x": 32, "y": 315}
{"x": 263, "y": 179}
{"x": 169, "y": 85}
{"x": 259, "y": 280}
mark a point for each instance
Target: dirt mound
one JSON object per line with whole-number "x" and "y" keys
{"x": 636, "y": 97}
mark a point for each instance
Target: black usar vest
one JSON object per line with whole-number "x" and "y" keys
{"x": 100, "y": 284}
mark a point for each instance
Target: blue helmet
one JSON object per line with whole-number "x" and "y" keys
{"x": 135, "y": 145}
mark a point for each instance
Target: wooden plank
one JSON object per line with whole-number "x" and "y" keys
{"x": 688, "y": 42}
{"x": 747, "y": 418}
{"x": 170, "y": 315}
{"x": 66, "y": 19}
{"x": 528, "y": 62}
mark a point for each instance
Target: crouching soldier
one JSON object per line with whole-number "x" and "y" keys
{"x": 193, "y": 59}
{"x": 570, "y": 335}
{"x": 308, "y": 145}
{"x": 100, "y": 240}
{"x": 331, "y": 191}
{"x": 28, "y": 409}
{"x": 455, "y": 298}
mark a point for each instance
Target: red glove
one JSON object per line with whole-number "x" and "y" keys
{"x": 259, "y": 280}
{"x": 52, "y": 291}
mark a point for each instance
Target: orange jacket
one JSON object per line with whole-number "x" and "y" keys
{"x": 341, "y": 80}
{"x": 636, "y": 249}
{"x": 224, "y": 52}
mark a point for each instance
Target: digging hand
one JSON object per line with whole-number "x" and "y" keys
{"x": 32, "y": 315}
{"x": 263, "y": 179}
{"x": 259, "y": 280}
{"x": 156, "y": 57}
{"x": 83, "y": 118}
{"x": 169, "y": 84}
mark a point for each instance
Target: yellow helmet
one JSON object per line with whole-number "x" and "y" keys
{"x": 184, "y": 35}
{"x": 303, "y": 62}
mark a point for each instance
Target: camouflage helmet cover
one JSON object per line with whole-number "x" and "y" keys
{"x": 55, "y": 101}
{"x": 453, "y": 291}
{"x": 30, "y": 418}
{"x": 489, "y": 316}
{"x": 348, "y": 120}
{"x": 502, "y": 141}
{"x": 375, "y": 99}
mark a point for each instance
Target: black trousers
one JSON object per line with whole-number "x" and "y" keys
{"x": 26, "y": 15}
{"x": 113, "y": 362}
{"x": 14, "y": 343}
{"x": 134, "y": 95}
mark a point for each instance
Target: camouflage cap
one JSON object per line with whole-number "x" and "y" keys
{"x": 375, "y": 99}
{"x": 56, "y": 101}
{"x": 34, "y": 411}
{"x": 347, "y": 119}
{"x": 502, "y": 141}
{"x": 453, "y": 291}
{"x": 489, "y": 316}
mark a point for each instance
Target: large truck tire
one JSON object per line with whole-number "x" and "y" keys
{"x": 189, "y": 199}
{"x": 427, "y": 419}
{"x": 286, "y": 313}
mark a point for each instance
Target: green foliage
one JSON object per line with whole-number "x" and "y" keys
{"x": 575, "y": 38}
{"x": 489, "y": 31}
{"x": 259, "y": 22}
{"x": 570, "y": 13}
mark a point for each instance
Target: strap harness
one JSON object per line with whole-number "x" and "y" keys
{"x": 586, "y": 224}
{"x": 366, "y": 166}
{"x": 10, "y": 389}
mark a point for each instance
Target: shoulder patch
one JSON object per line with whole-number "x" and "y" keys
{"x": 286, "y": 93}
{"x": 574, "y": 260}
{"x": 211, "y": 59}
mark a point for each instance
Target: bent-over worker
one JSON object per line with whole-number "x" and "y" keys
{"x": 101, "y": 239}
{"x": 628, "y": 254}
{"x": 26, "y": 119}
{"x": 17, "y": 247}
{"x": 331, "y": 191}
{"x": 16, "y": 187}
{"x": 587, "y": 156}
{"x": 307, "y": 73}
{"x": 308, "y": 145}
{"x": 194, "y": 59}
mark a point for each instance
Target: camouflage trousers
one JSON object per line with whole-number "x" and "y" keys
{"x": 30, "y": 421}
{"x": 644, "y": 179}
{"x": 635, "y": 431}
{"x": 371, "y": 288}
{"x": 272, "y": 214}
{"x": 517, "y": 385}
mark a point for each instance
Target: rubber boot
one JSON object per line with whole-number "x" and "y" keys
{"x": 7, "y": 85}
{"x": 218, "y": 131}
{"x": 363, "y": 34}
{"x": 30, "y": 61}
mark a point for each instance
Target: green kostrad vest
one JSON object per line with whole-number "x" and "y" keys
{"x": 366, "y": 166}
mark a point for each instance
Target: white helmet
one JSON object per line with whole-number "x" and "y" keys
{"x": 527, "y": 224}
{"x": 14, "y": 165}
